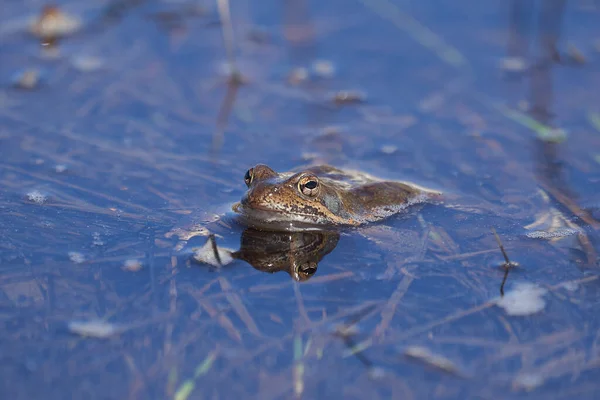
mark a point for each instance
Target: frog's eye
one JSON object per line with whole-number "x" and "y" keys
{"x": 309, "y": 186}
{"x": 249, "y": 176}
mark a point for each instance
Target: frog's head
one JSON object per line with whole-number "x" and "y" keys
{"x": 288, "y": 201}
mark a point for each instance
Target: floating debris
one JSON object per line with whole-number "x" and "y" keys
{"x": 331, "y": 131}
{"x": 525, "y": 299}
{"x": 60, "y": 168}
{"x": 323, "y": 68}
{"x": 528, "y": 381}
{"x": 86, "y": 63}
{"x": 188, "y": 232}
{"x": 54, "y": 23}
{"x": 376, "y": 373}
{"x": 27, "y": 79}
{"x": 513, "y": 64}
{"x": 570, "y": 286}
{"x": 297, "y": 76}
{"x": 94, "y": 328}
{"x": 348, "y": 97}
{"x": 544, "y": 132}
{"x": 97, "y": 240}
{"x": 212, "y": 254}
{"x": 76, "y": 257}
{"x": 132, "y": 265}
{"x": 435, "y": 360}
{"x": 189, "y": 385}
{"x": 37, "y": 197}
{"x": 389, "y": 149}
{"x": 553, "y": 135}
{"x": 562, "y": 232}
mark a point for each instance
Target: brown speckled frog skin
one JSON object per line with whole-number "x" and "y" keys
{"x": 322, "y": 196}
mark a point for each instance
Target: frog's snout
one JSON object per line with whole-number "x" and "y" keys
{"x": 250, "y": 199}
{"x": 255, "y": 196}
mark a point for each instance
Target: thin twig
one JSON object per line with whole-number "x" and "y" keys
{"x": 501, "y": 246}
{"x": 227, "y": 27}
{"x": 215, "y": 249}
{"x": 508, "y": 265}
{"x": 503, "y": 282}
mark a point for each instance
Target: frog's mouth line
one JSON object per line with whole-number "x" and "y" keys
{"x": 243, "y": 210}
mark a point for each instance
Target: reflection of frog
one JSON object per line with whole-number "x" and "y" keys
{"x": 297, "y": 253}
{"x": 322, "y": 196}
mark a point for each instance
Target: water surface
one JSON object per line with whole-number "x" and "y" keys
{"x": 97, "y": 167}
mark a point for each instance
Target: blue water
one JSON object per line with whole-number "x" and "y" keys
{"x": 123, "y": 154}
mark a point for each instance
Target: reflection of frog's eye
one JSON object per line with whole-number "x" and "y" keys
{"x": 249, "y": 176}
{"x": 309, "y": 186}
{"x": 305, "y": 271}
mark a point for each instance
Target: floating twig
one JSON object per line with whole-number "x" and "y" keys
{"x": 508, "y": 265}
{"x": 215, "y": 249}
{"x": 501, "y": 247}
{"x": 432, "y": 359}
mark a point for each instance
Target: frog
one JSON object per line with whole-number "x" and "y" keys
{"x": 323, "y": 196}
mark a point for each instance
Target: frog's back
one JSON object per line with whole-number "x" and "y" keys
{"x": 367, "y": 198}
{"x": 378, "y": 200}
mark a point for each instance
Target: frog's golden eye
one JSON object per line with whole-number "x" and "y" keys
{"x": 249, "y": 176}
{"x": 309, "y": 186}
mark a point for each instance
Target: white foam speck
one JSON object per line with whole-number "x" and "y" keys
{"x": 97, "y": 239}
{"x": 206, "y": 254}
{"x": 555, "y": 234}
{"x": 76, "y": 257}
{"x": 570, "y": 286}
{"x": 95, "y": 328}
{"x": 528, "y": 381}
{"x": 323, "y": 68}
{"x": 525, "y": 299}
{"x": 37, "y": 197}
{"x": 389, "y": 149}
{"x": 377, "y": 373}
{"x": 86, "y": 63}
